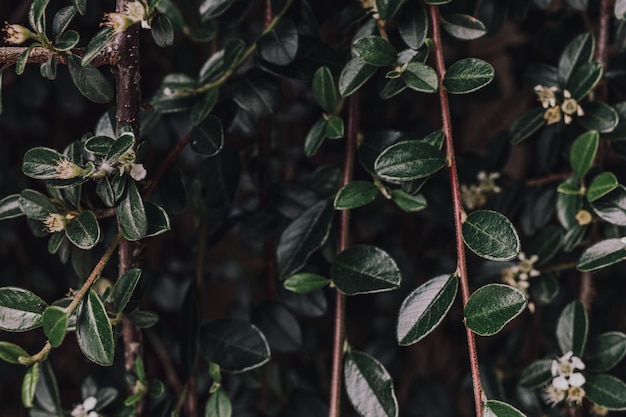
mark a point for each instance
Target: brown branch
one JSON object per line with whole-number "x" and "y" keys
{"x": 10, "y": 55}
{"x": 459, "y": 213}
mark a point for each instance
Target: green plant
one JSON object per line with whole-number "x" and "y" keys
{"x": 286, "y": 153}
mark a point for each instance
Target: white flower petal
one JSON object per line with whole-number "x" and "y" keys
{"x": 577, "y": 379}
{"x": 555, "y": 368}
{"x": 90, "y": 403}
{"x": 138, "y": 172}
{"x": 577, "y": 363}
{"x": 560, "y": 382}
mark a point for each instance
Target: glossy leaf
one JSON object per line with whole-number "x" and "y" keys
{"x": 536, "y": 374}
{"x": 10, "y": 352}
{"x": 54, "y": 321}
{"x": 131, "y": 214}
{"x": 35, "y": 205}
{"x": 413, "y": 25}
{"x": 305, "y": 282}
{"x": 20, "y": 309}
{"x": 369, "y": 386}
{"x": 374, "y": 50}
{"x": 408, "y": 202}
{"x": 125, "y": 287}
{"x": 526, "y": 125}
{"x": 409, "y": 160}
{"x": 41, "y": 163}
{"x": 218, "y": 404}
{"x": 494, "y": 408}
{"x": 424, "y": 308}
{"x": 120, "y": 146}
{"x": 280, "y": 45}
{"x": 420, "y": 77}
{"x": 162, "y": 30}
{"x": 29, "y": 385}
{"x": 572, "y": 328}
{"x": 354, "y": 75}
{"x": 83, "y": 231}
{"x": 315, "y": 137}
{"x": 90, "y": 81}
{"x": 601, "y": 186}
{"x": 602, "y": 254}
{"x": 93, "y": 330}
{"x": 605, "y": 351}
{"x": 157, "y": 218}
{"x": 578, "y": 52}
{"x": 304, "y": 235}
{"x": 324, "y": 90}
{"x": 355, "y": 194}
{"x": 258, "y": 94}
{"x": 583, "y": 152}
{"x": 463, "y": 26}
{"x": 207, "y": 139}
{"x": 235, "y": 345}
{"x": 364, "y": 269}
{"x": 10, "y": 207}
{"x": 468, "y": 75}
{"x": 599, "y": 116}
{"x": 612, "y": 206}
{"x": 606, "y": 391}
{"x": 584, "y": 79}
{"x": 491, "y": 307}
{"x": 491, "y": 235}
{"x": 388, "y": 8}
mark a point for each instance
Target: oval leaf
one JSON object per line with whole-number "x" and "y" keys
{"x": 55, "y": 323}
{"x": 131, "y": 214}
{"x": 577, "y": 52}
{"x": 364, "y": 269}
{"x": 413, "y": 25}
{"x": 491, "y": 235}
{"x": 491, "y": 307}
{"x": 207, "y": 139}
{"x": 305, "y": 282}
{"x": 41, "y": 163}
{"x": 584, "y": 79}
{"x": 612, "y": 206}
{"x": 601, "y": 186}
{"x": 583, "y": 152}
{"x": 602, "y": 254}
{"x": 605, "y": 351}
{"x": 572, "y": 327}
{"x": 355, "y": 194}
{"x": 11, "y": 353}
{"x": 235, "y": 345}
{"x": 463, "y": 26}
{"x": 526, "y": 125}
{"x": 20, "y": 309}
{"x": 606, "y": 391}
{"x": 354, "y": 75}
{"x": 125, "y": 287}
{"x": 420, "y": 77}
{"x": 218, "y": 405}
{"x": 280, "y": 45}
{"x": 90, "y": 81}
{"x": 537, "y": 374}
{"x": 408, "y": 202}
{"x": 493, "y": 408}
{"x": 10, "y": 207}
{"x": 374, "y": 50}
{"x": 369, "y": 386}
{"x": 93, "y": 330}
{"x": 468, "y": 75}
{"x": 324, "y": 90}
{"x": 423, "y": 309}
{"x": 29, "y": 385}
{"x": 83, "y": 231}
{"x": 279, "y": 326}
{"x": 599, "y": 116}
{"x": 409, "y": 160}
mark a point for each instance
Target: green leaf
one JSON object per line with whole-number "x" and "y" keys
{"x": 334, "y": 127}
{"x": 583, "y": 152}
{"x": 354, "y": 75}
{"x": 54, "y": 321}
{"x": 120, "y": 146}
{"x": 62, "y": 19}
{"x": 578, "y": 52}
{"x": 93, "y": 330}
{"x": 35, "y": 205}
{"x": 304, "y": 235}
{"x": 409, "y": 160}
{"x": 258, "y": 95}
{"x": 157, "y": 218}
{"x": 375, "y": 50}
{"x": 324, "y": 90}
{"x": 83, "y": 231}
{"x": 305, "y": 282}
{"x": 606, "y": 391}
{"x": 424, "y": 308}
{"x": 602, "y": 254}
{"x": 22, "y": 60}
{"x": 81, "y": 5}
{"x": 131, "y": 214}
{"x": 493, "y": 408}
{"x": 364, "y": 269}
{"x": 210, "y": 9}
{"x": 143, "y": 319}
{"x": 369, "y": 386}
{"x": 572, "y": 327}
{"x": 125, "y": 287}
{"x": 620, "y": 9}
{"x": 41, "y": 163}
{"x": 526, "y": 125}
{"x": 218, "y": 404}
{"x": 388, "y": 8}
{"x": 279, "y": 46}
{"x": 544, "y": 288}
{"x": 468, "y": 75}
{"x": 605, "y": 351}
{"x": 601, "y": 186}
{"x": 99, "y": 145}
{"x": 413, "y": 25}
{"x": 537, "y": 374}
{"x": 408, "y": 202}
{"x": 599, "y": 116}
{"x": 315, "y": 137}
{"x": 355, "y": 194}
{"x": 463, "y": 26}
{"x": 11, "y": 353}
{"x": 420, "y": 77}
{"x": 162, "y": 30}
{"x": 584, "y": 79}
{"x": 491, "y": 307}
{"x": 571, "y": 186}
{"x": 67, "y": 41}
{"x": 90, "y": 81}
{"x": 279, "y": 326}
{"x": 20, "y": 309}
{"x": 10, "y": 207}
{"x": 37, "y": 15}
{"x": 97, "y": 44}
{"x": 203, "y": 106}
{"x": 207, "y": 139}
{"x": 29, "y": 385}
{"x": 491, "y": 235}
{"x": 49, "y": 68}
{"x": 610, "y": 207}
{"x": 235, "y": 345}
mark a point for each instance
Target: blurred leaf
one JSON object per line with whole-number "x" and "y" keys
{"x": 413, "y": 25}
{"x": 210, "y": 9}
{"x": 83, "y": 231}
{"x": 81, "y": 5}
{"x": 162, "y": 30}
{"x": 207, "y": 139}
{"x": 544, "y": 289}
{"x": 526, "y": 125}
{"x": 354, "y": 75}
{"x": 601, "y": 186}
{"x": 143, "y": 319}
{"x": 125, "y": 287}
{"x": 93, "y": 331}
{"x": 584, "y": 79}
{"x": 258, "y": 95}
{"x": 606, "y": 391}
{"x": 278, "y": 325}
{"x": 10, "y": 207}
{"x": 10, "y": 352}
{"x": 157, "y": 218}
{"x": 280, "y": 45}
{"x": 315, "y": 137}
{"x": 218, "y": 404}
{"x": 29, "y": 385}
{"x": 203, "y": 106}
{"x": 599, "y": 116}
{"x": 99, "y": 145}
{"x": 37, "y": 15}
{"x": 305, "y": 282}
{"x": 369, "y": 386}
{"x": 54, "y": 321}
{"x": 602, "y": 254}
{"x": 424, "y": 308}
{"x": 536, "y": 374}
{"x": 388, "y": 8}
{"x": 20, "y": 309}
{"x": 572, "y": 328}
{"x": 610, "y": 207}
{"x": 220, "y": 174}
{"x": 605, "y": 351}
{"x": 131, "y": 213}
{"x": 334, "y": 128}
{"x": 409, "y": 160}
{"x": 493, "y": 408}
{"x": 408, "y": 202}
{"x": 90, "y": 81}
{"x": 491, "y": 307}
{"x": 420, "y": 77}
{"x": 620, "y": 9}
{"x": 364, "y": 269}
{"x": 374, "y": 50}
{"x": 355, "y": 194}
{"x": 491, "y": 235}
{"x": 463, "y": 26}
{"x": 468, "y": 75}
{"x": 47, "y": 391}
{"x": 324, "y": 90}
{"x": 546, "y": 243}
{"x": 578, "y": 52}
{"x": 583, "y": 152}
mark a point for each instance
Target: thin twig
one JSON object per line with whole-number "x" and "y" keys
{"x": 459, "y": 213}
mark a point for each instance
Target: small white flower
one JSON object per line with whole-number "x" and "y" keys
{"x": 138, "y": 172}
{"x": 86, "y": 409}
{"x": 552, "y": 395}
{"x": 67, "y": 169}
{"x": 135, "y": 11}
{"x": 55, "y": 222}
{"x": 567, "y": 382}
{"x": 569, "y": 107}
{"x": 546, "y": 95}
{"x": 116, "y": 21}
{"x": 16, "y": 34}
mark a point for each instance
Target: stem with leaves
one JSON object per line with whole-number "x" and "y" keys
{"x": 459, "y": 212}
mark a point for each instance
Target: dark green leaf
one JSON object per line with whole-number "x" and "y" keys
{"x": 571, "y": 186}
{"x": 536, "y": 374}
{"x": 67, "y": 41}
{"x": 278, "y": 325}
{"x": 578, "y": 52}
{"x": 388, "y": 8}
{"x": 49, "y": 68}
{"x": 584, "y": 79}
{"x": 546, "y": 243}
{"x": 315, "y": 137}
{"x": 491, "y": 307}
{"x": 491, "y": 235}
{"x": 305, "y": 282}
{"x": 35, "y": 205}
{"x": 81, "y": 5}
{"x": 605, "y": 351}
{"x": 54, "y": 321}
{"x": 158, "y": 220}
{"x": 22, "y": 60}
{"x": 125, "y": 287}
{"x": 420, "y": 77}
{"x": 375, "y": 50}
{"x": 220, "y": 174}
{"x": 97, "y": 44}
{"x": 90, "y": 81}
{"x": 583, "y": 152}
{"x": 409, "y": 160}
{"x": 218, "y": 404}
{"x": 83, "y": 231}
{"x": 11, "y": 353}
{"x": 10, "y": 207}
{"x": 258, "y": 95}
{"x": 572, "y": 327}
{"x": 599, "y": 116}
{"x": 29, "y": 385}
{"x": 610, "y": 207}
{"x": 172, "y": 96}
{"x": 463, "y": 26}
{"x": 526, "y": 125}
{"x": 235, "y": 345}
{"x": 334, "y": 128}
{"x": 20, "y": 309}
{"x": 203, "y": 106}
{"x": 207, "y": 139}
{"x": 162, "y": 30}
{"x": 280, "y": 45}
{"x": 324, "y": 90}
{"x": 37, "y": 15}
{"x": 580, "y": 5}
{"x": 143, "y": 319}
{"x": 468, "y": 75}
{"x": 602, "y": 254}
{"x": 93, "y": 331}
{"x": 544, "y": 289}
{"x": 354, "y": 75}
{"x": 62, "y": 19}
{"x": 369, "y": 386}
{"x": 364, "y": 269}
{"x": 601, "y": 186}
{"x": 41, "y": 163}
{"x": 355, "y": 194}
{"x": 408, "y": 202}
{"x": 131, "y": 214}
{"x": 606, "y": 391}
{"x": 413, "y": 25}
{"x": 423, "y": 309}
{"x": 120, "y": 146}
{"x": 99, "y": 145}
{"x": 495, "y": 408}
{"x": 304, "y": 235}
{"x": 210, "y": 9}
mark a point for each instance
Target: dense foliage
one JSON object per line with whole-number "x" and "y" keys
{"x": 230, "y": 207}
